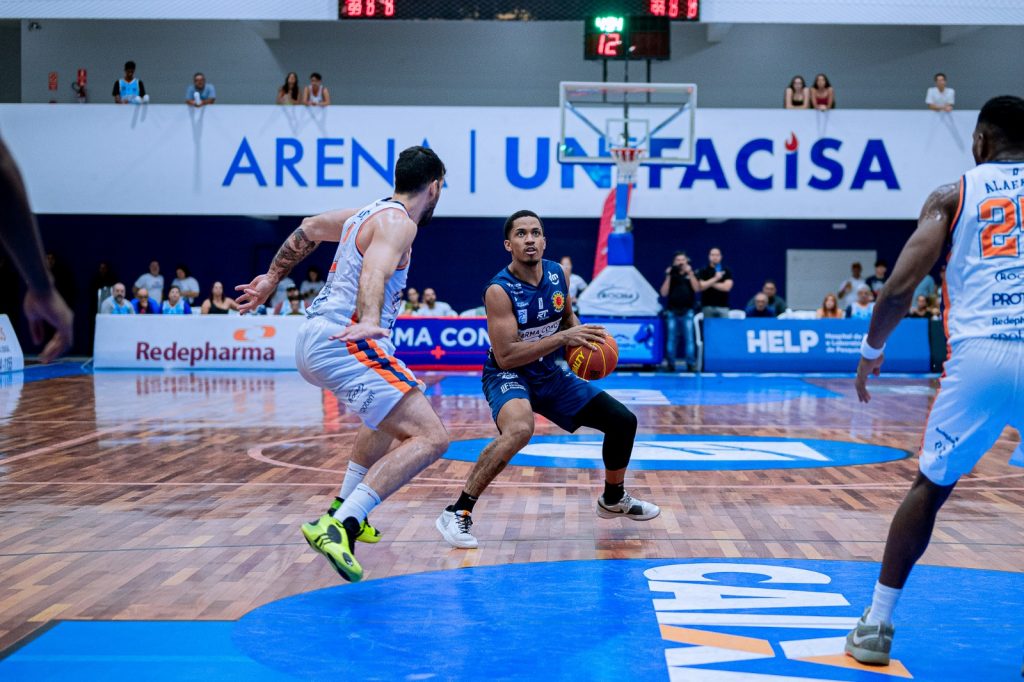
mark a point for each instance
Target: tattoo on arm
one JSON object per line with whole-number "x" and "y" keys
{"x": 295, "y": 248}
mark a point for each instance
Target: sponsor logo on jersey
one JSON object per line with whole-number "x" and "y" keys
{"x": 512, "y": 386}
{"x": 542, "y": 314}
{"x": 558, "y": 300}
{"x": 538, "y": 333}
{"x": 553, "y": 277}
{"x": 1010, "y": 274}
{"x": 1004, "y": 299}
{"x": 521, "y": 315}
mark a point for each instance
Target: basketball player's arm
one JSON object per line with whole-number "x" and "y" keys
{"x": 918, "y": 256}
{"x": 510, "y": 351}
{"x": 325, "y": 227}
{"x": 393, "y": 234}
{"x": 19, "y": 235}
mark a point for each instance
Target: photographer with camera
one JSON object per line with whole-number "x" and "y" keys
{"x": 679, "y": 289}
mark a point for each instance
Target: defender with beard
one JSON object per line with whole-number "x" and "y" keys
{"x": 530, "y": 320}
{"x": 345, "y": 346}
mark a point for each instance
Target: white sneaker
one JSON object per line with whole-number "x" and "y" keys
{"x": 628, "y": 508}
{"x": 454, "y": 526}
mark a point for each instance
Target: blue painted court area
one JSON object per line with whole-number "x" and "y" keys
{"x": 689, "y": 453}
{"x": 680, "y": 619}
{"x": 673, "y": 389}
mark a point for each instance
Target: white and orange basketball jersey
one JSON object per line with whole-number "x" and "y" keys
{"x": 984, "y": 284}
{"x": 337, "y": 300}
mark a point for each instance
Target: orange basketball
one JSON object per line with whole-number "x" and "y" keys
{"x": 593, "y": 364}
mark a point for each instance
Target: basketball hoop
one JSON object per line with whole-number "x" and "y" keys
{"x": 627, "y": 162}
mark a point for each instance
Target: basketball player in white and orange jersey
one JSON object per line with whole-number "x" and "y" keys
{"x": 982, "y": 388}
{"x": 345, "y": 346}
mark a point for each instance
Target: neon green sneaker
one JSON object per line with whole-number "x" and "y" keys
{"x": 367, "y": 533}
{"x": 328, "y": 537}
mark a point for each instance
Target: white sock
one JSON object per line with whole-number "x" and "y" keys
{"x": 883, "y": 604}
{"x": 359, "y": 504}
{"x": 353, "y": 477}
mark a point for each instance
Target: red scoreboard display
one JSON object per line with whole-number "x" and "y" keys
{"x": 521, "y": 10}
{"x": 635, "y": 37}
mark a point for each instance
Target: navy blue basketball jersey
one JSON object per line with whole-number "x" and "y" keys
{"x": 538, "y": 310}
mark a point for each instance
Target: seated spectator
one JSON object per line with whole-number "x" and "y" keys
{"x": 294, "y": 305}
{"x": 823, "y": 97}
{"x": 116, "y": 304}
{"x": 576, "y": 283}
{"x": 830, "y": 309}
{"x": 775, "y": 302}
{"x": 186, "y": 283}
{"x": 143, "y": 304}
{"x": 316, "y": 94}
{"x": 200, "y": 93}
{"x": 760, "y": 307}
{"x": 926, "y": 288}
{"x": 129, "y": 90}
{"x": 876, "y": 281}
{"x": 434, "y": 308}
{"x": 218, "y": 303}
{"x": 862, "y": 308}
{"x": 284, "y": 307}
{"x": 280, "y": 296}
{"x": 412, "y": 302}
{"x": 289, "y": 92}
{"x": 920, "y": 308}
{"x": 939, "y": 97}
{"x": 175, "y": 304}
{"x": 848, "y": 288}
{"x": 797, "y": 95}
{"x": 933, "y": 307}
{"x": 312, "y": 285}
{"x": 152, "y": 281}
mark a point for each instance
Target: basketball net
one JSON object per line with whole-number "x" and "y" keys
{"x": 627, "y": 162}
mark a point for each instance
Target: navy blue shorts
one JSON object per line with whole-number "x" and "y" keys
{"x": 559, "y": 397}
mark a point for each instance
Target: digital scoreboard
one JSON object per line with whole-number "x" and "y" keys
{"x": 516, "y": 10}
{"x": 630, "y": 37}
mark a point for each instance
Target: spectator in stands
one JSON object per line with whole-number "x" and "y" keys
{"x": 316, "y": 93}
{"x": 153, "y": 281}
{"x": 294, "y": 305}
{"x": 830, "y": 309}
{"x": 218, "y": 303}
{"x": 432, "y": 307}
{"x": 186, "y": 283}
{"x": 823, "y": 97}
{"x": 175, "y": 303}
{"x": 105, "y": 277}
{"x": 877, "y": 280}
{"x": 143, "y": 304}
{"x": 849, "y": 286}
{"x": 861, "y": 308}
{"x": 412, "y": 302}
{"x": 289, "y": 92}
{"x": 576, "y": 283}
{"x": 760, "y": 307}
{"x": 116, "y": 304}
{"x": 280, "y": 296}
{"x": 775, "y": 302}
{"x": 679, "y": 290}
{"x": 926, "y": 288}
{"x": 283, "y": 307}
{"x": 920, "y": 308}
{"x": 129, "y": 90}
{"x": 939, "y": 97}
{"x": 200, "y": 93}
{"x": 715, "y": 284}
{"x": 797, "y": 95}
{"x": 312, "y": 285}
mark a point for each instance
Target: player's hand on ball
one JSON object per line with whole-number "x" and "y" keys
{"x": 865, "y": 369}
{"x": 255, "y": 293}
{"x": 588, "y": 335}
{"x": 361, "y": 331}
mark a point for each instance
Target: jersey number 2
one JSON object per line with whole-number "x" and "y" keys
{"x": 1001, "y": 236}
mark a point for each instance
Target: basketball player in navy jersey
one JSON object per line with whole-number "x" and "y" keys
{"x": 982, "y": 387}
{"x": 530, "y": 321}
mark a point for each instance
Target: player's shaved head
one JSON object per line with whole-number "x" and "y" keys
{"x": 1003, "y": 119}
{"x": 524, "y": 213}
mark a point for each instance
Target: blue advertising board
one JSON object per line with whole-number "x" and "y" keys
{"x": 641, "y": 340}
{"x": 770, "y": 345}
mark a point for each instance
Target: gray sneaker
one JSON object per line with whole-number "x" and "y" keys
{"x": 628, "y": 507}
{"x": 870, "y": 644}
{"x": 454, "y": 527}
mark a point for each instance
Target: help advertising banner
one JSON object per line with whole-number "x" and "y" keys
{"x": 769, "y": 345}
{"x": 270, "y": 160}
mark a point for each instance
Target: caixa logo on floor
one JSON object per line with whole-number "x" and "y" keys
{"x": 678, "y": 452}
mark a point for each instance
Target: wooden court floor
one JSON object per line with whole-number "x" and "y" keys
{"x": 178, "y": 496}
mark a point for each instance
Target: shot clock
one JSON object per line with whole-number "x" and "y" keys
{"x": 626, "y": 37}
